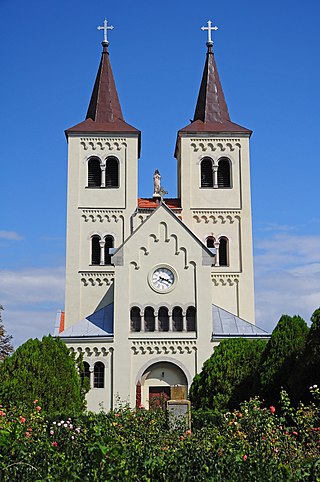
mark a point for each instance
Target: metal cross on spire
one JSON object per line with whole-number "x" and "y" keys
{"x": 209, "y": 28}
{"x": 105, "y": 29}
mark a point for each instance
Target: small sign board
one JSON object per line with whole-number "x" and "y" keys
{"x": 179, "y": 414}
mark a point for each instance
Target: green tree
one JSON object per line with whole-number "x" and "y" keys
{"x": 229, "y": 376}
{"x": 280, "y": 357}
{"x": 44, "y": 371}
{"x": 6, "y": 347}
{"x": 306, "y": 373}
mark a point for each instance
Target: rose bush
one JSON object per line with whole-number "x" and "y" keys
{"x": 253, "y": 443}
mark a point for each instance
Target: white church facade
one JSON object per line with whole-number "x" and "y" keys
{"x": 153, "y": 285}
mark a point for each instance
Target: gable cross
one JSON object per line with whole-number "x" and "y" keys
{"x": 209, "y": 28}
{"x": 105, "y": 29}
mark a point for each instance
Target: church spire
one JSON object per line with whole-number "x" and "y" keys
{"x": 211, "y": 112}
{"x": 104, "y": 112}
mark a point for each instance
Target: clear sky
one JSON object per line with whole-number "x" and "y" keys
{"x": 268, "y": 60}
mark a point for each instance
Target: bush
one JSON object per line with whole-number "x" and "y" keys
{"x": 43, "y": 370}
{"x": 229, "y": 376}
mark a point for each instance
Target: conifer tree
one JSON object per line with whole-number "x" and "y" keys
{"x": 6, "y": 347}
{"x": 228, "y": 376}
{"x": 286, "y": 344}
{"x": 44, "y": 371}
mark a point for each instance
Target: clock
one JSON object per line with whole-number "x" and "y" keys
{"x": 162, "y": 279}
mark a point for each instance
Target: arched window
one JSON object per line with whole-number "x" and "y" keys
{"x": 177, "y": 319}
{"x": 224, "y": 178}
{"x": 191, "y": 318}
{"x": 86, "y": 371}
{"x": 149, "y": 319}
{"x": 163, "y": 316}
{"x": 206, "y": 172}
{"x": 95, "y": 249}
{"x": 135, "y": 319}
{"x": 223, "y": 251}
{"x": 210, "y": 242}
{"x": 109, "y": 243}
{"x": 112, "y": 172}
{"x": 94, "y": 172}
{"x": 98, "y": 372}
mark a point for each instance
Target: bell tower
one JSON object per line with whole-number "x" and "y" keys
{"x": 103, "y": 153}
{"x": 214, "y": 188}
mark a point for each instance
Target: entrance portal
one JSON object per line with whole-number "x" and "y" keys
{"x": 157, "y": 382}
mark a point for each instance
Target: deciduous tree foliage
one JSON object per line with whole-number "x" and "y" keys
{"x": 286, "y": 344}
{"x": 6, "y": 347}
{"x": 229, "y": 376}
{"x": 44, "y": 371}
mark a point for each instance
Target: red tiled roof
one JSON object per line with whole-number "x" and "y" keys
{"x": 150, "y": 203}
{"x": 226, "y": 126}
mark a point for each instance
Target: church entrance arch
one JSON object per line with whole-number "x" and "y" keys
{"x": 157, "y": 382}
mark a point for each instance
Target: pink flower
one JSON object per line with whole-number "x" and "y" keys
{"x": 117, "y": 414}
{"x": 28, "y": 434}
{"x": 182, "y": 437}
{"x": 54, "y": 444}
{"x": 35, "y": 401}
{"x": 141, "y": 406}
{"x": 272, "y": 409}
{"x": 244, "y": 457}
{"x": 38, "y": 408}
{"x": 22, "y": 419}
{"x": 188, "y": 432}
{"x": 294, "y": 433}
{"x": 51, "y": 432}
{"x": 2, "y": 413}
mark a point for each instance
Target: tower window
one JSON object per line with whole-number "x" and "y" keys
{"x": 177, "y": 319}
{"x": 94, "y": 173}
{"x": 149, "y": 319}
{"x": 224, "y": 178}
{"x": 109, "y": 243}
{"x": 191, "y": 318}
{"x": 98, "y": 371}
{"x": 135, "y": 319}
{"x": 95, "y": 250}
{"x": 163, "y": 316}
{"x": 112, "y": 172}
{"x": 206, "y": 173}
{"x": 223, "y": 252}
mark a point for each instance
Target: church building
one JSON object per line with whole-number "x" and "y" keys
{"x": 153, "y": 285}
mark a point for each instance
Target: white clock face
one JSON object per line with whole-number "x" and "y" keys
{"x": 162, "y": 279}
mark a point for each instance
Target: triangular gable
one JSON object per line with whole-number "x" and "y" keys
{"x": 228, "y": 325}
{"x": 99, "y": 323}
{"x": 162, "y": 206}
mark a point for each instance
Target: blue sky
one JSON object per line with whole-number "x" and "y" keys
{"x": 267, "y": 56}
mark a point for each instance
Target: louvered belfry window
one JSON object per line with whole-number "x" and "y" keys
{"x": 109, "y": 243}
{"x": 94, "y": 173}
{"x": 206, "y": 173}
{"x": 112, "y": 172}
{"x": 95, "y": 250}
{"x": 224, "y": 178}
{"x": 223, "y": 252}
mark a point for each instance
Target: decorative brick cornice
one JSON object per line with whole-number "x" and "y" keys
{"x": 102, "y": 215}
{"x": 102, "y": 143}
{"x": 91, "y": 352}
{"x": 224, "y": 279}
{"x": 163, "y": 347}
{"x": 96, "y": 278}
{"x": 210, "y": 216}
{"x": 211, "y": 145}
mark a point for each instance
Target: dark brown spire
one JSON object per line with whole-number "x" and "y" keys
{"x": 104, "y": 104}
{"x": 211, "y": 105}
{"x": 104, "y": 111}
